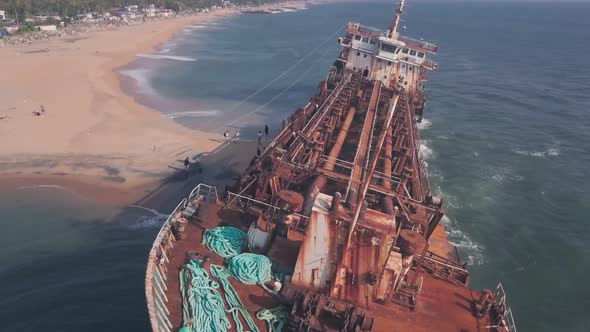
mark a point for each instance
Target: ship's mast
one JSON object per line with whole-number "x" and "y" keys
{"x": 398, "y": 15}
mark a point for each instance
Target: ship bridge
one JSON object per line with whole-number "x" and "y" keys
{"x": 386, "y": 56}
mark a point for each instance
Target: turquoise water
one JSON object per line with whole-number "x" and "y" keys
{"x": 507, "y": 139}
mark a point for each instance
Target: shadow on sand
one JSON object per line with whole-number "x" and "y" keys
{"x": 220, "y": 167}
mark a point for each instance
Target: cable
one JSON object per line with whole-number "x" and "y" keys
{"x": 286, "y": 71}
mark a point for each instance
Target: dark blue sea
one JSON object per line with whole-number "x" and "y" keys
{"x": 506, "y": 136}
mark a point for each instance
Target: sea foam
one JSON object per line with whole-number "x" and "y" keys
{"x": 425, "y": 150}
{"x": 167, "y": 57}
{"x": 424, "y": 124}
{"x": 52, "y": 186}
{"x": 187, "y": 114}
{"x": 149, "y": 222}
{"x": 466, "y": 245}
{"x": 550, "y": 152}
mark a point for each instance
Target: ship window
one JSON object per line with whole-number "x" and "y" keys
{"x": 365, "y": 55}
{"x": 358, "y": 53}
{"x": 405, "y": 51}
{"x": 365, "y": 39}
{"x": 411, "y": 68}
{"x": 403, "y": 66}
{"x": 412, "y": 52}
{"x": 372, "y": 41}
{"x": 389, "y": 63}
{"x": 385, "y": 77}
{"x": 357, "y": 37}
{"x": 388, "y": 48}
{"x": 378, "y": 60}
{"x": 421, "y": 54}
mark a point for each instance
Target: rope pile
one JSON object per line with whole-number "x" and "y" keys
{"x": 275, "y": 318}
{"x": 202, "y": 305}
{"x": 251, "y": 269}
{"x": 236, "y": 307}
{"x": 224, "y": 241}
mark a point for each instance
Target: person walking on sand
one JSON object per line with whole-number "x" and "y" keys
{"x": 266, "y": 129}
{"x": 237, "y": 135}
{"x": 42, "y": 109}
{"x": 187, "y": 164}
{"x": 259, "y": 137}
{"x": 226, "y": 135}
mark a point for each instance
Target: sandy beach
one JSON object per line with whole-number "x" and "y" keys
{"x": 91, "y": 133}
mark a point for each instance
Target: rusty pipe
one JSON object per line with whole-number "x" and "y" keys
{"x": 372, "y": 165}
{"x": 387, "y": 201}
{"x": 340, "y": 280}
{"x": 335, "y": 151}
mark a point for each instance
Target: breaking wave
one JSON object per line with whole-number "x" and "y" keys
{"x": 473, "y": 251}
{"x": 167, "y": 57}
{"x": 204, "y": 113}
{"x": 424, "y": 124}
{"x": 155, "y": 220}
{"x": 425, "y": 149}
{"x": 149, "y": 222}
{"x": 52, "y": 186}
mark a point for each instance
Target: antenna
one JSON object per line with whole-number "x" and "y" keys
{"x": 398, "y": 15}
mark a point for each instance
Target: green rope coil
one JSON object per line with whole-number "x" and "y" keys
{"x": 232, "y": 298}
{"x": 202, "y": 305}
{"x": 224, "y": 241}
{"x": 275, "y": 318}
{"x": 251, "y": 269}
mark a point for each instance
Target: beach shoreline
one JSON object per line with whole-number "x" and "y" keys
{"x": 94, "y": 137}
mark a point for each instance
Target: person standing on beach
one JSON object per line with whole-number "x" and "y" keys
{"x": 259, "y": 137}
{"x": 266, "y": 129}
{"x": 237, "y": 136}
{"x": 226, "y": 135}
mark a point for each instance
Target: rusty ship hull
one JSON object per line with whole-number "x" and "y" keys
{"x": 341, "y": 200}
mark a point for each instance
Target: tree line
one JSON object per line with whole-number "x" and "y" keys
{"x": 20, "y": 9}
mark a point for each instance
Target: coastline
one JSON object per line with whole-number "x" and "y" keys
{"x": 94, "y": 138}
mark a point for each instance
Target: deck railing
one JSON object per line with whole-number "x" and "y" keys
{"x": 245, "y": 201}
{"x": 507, "y": 318}
{"x": 155, "y": 276}
{"x": 431, "y": 47}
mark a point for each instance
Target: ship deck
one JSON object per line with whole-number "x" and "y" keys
{"x": 210, "y": 216}
{"x": 390, "y": 316}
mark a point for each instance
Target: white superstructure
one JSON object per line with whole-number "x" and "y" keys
{"x": 395, "y": 60}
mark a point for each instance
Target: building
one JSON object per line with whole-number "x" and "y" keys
{"x": 150, "y": 11}
{"x": 132, "y": 8}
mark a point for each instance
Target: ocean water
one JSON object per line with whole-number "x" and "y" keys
{"x": 506, "y": 138}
